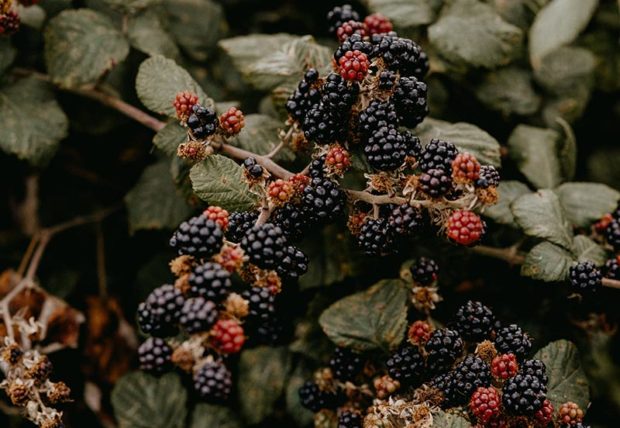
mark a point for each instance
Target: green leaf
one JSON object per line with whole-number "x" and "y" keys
{"x": 585, "y": 203}
{"x": 262, "y": 375}
{"x": 547, "y": 262}
{"x": 7, "y": 54}
{"x": 585, "y": 249}
{"x": 144, "y": 401}
{"x": 302, "y": 416}
{"x": 159, "y": 81}
{"x": 558, "y": 24}
{"x": 372, "y": 319}
{"x": 406, "y": 14}
{"x": 508, "y": 191}
{"x": 565, "y": 69}
{"x": 449, "y": 420}
{"x": 81, "y": 46}
{"x": 154, "y": 202}
{"x": 568, "y": 151}
{"x": 169, "y": 137}
{"x": 219, "y": 181}
{"x": 465, "y": 136}
{"x": 260, "y": 135}
{"x": 33, "y": 16}
{"x": 147, "y": 34}
{"x": 541, "y": 215}
{"x": 567, "y": 380}
{"x": 519, "y": 12}
{"x": 509, "y": 91}
{"x": 211, "y": 416}
{"x": 471, "y": 33}
{"x": 535, "y": 150}
{"x": 31, "y": 121}
{"x": 130, "y": 6}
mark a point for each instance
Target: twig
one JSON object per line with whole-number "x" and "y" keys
{"x": 275, "y": 150}
{"x": 375, "y": 199}
{"x": 28, "y": 254}
{"x": 508, "y": 254}
{"x": 611, "y": 283}
{"x": 271, "y": 166}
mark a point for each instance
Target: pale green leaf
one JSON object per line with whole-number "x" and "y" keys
{"x": 169, "y": 137}
{"x": 214, "y": 416}
{"x": 540, "y": 215}
{"x": 585, "y": 203}
{"x": 585, "y": 249}
{"x": 508, "y": 191}
{"x": 509, "y": 91}
{"x": 547, "y": 262}
{"x": 33, "y": 16}
{"x": 406, "y": 14}
{"x": 260, "y": 135}
{"x": 147, "y": 34}
{"x": 566, "y": 68}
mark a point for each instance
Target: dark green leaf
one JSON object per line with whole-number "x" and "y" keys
{"x": 508, "y": 191}
{"x": 585, "y": 203}
{"x": 406, "y": 14}
{"x": 585, "y": 249}
{"x": 535, "y": 150}
{"x": 547, "y": 262}
{"x": 260, "y": 135}
{"x": 147, "y": 34}
{"x": 169, "y": 137}
{"x": 565, "y": 69}
{"x": 214, "y": 416}
{"x": 509, "y": 91}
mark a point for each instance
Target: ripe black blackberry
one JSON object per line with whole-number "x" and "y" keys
{"x": 376, "y": 116}
{"x": 339, "y": 15}
{"x": 314, "y": 399}
{"x": 535, "y": 368}
{"x": 435, "y": 182}
{"x": 265, "y": 332}
{"x": 406, "y": 365}
{"x": 261, "y": 302}
{"x": 155, "y": 355}
{"x": 414, "y": 147}
{"x": 468, "y": 375}
{"x": 213, "y": 381}
{"x": 400, "y": 54}
{"x": 253, "y": 168}
{"x": 346, "y": 364}
{"x": 376, "y": 238}
{"x": 317, "y": 167}
{"x": 148, "y": 323}
{"x": 306, "y": 96}
{"x": 198, "y": 314}
{"x": 338, "y": 95}
{"x": 293, "y": 264}
{"x": 523, "y": 394}
{"x": 164, "y": 306}
{"x": 324, "y": 200}
{"x": 324, "y": 126}
{"x": 585, "y": 277}
{"x": 264, "y": 245}
{"x": 239, "y": 222}
{"x": 410, "y": 100}
{"x": 199, "y": 237}
{"x": 612, "y": 234}
{"x": 350, "y": 419}
{"x": 612, "y": 269}
{"x": 386, "y": 80}
{"x": 438, "y": 154}
{"x": 511, "y": 339}
{"x": 443, "y": 348}
{"x": 386, "y": 149}
{"x": 202, "y": 122}
{"x": 445, "y": 385}
{"x": 489, "y": 177}
{"x": 424, "y": 271}
{"x": 474, "y": 321}
{"x": 354, "y": 43}
{"x": 293, "y": 220}
{"x": 406, "y": 220}
{"x": 211, "y": 281}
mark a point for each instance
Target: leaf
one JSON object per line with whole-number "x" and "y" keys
{"x": 471, "y": 33}
{"x": 154, "y": 202}
{"x": 568, "y": 151}
{"x": 535, "y": 150}
{"x": 567, "y": 380}
{"x": 565, "y": 69}
{"x": 211, "y": 415}
{"x": 547, "y": 262}
{"x": 603, "y": 166}
{"x": 219, "y": 181}
{"x": 144, "y": 401}
{"x": 585, "y": 249}
{"x": 260, "y": 135}
{"x": 372, "y": 319}
{"x": 509, "y": 91}
{"x": 585, "y": 203}
{"x": 158, "y": 82}
{"x": 33, "y": 16}
{"x": 540, "y": 215}
{"x": 7, "y": 54}
{"x": 465, "y": 136}
{"x": 31, "y": 121}
{"x": 558, "y": 24}
{"x": 169, "y": 137}
{"x": 130, "y": 6}
{"x": 146, "y": 33}
{"x": 262, "y": 375}
{"x": 508, "y": 191}
{"x": 444, "y": 419}
{"x": 302, "y": 416}
{"x": 406, "y": 14}
{"x": 81, "y": 46}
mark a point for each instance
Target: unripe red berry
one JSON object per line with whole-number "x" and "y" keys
{"x": 353, "y": 65}
{"x": 504, "y": 366}
{"x": 230, "y": 257}
{"x": 218, "y": 215}
{"x": 349, "y": 28}
{"x": 280, "y": 191}
{"x": 227, "y": 336}
{"x": 464, "y": 227}
{"x": 377, "y": 24}
{"x": 419, "y": 332}
{"x": 183, "y": 104}
{"x": 544, "y": 415}
{"x": 299, "y": 182}
{"x": 569, "y": 413}
{"x": 337, "y": 160}
{"x": 232, "y": 121}
{"x": 465, "y": 168}
{"x": 485, "y": 404}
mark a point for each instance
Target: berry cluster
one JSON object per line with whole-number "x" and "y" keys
{"x": 9, "y": 18}
{"x": 585, "y": 276}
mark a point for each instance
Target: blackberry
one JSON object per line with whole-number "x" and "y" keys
{"x": 304, "y": 97}
{"x": 324, "y": 200}
{"x": 202, "y": 122}
{"x": 338, "y": 96}
{"x": 339, "y": 15}
{"x": 386, "y": 80}
{"x": 585, "y": 276}
{"x": 198, "y": 314}
{"x": 443, "y": 348}
{"x": 376, "y": 116}
{"x": 612, "y": 269}
{"x": 410, "y": 101}
{"x": 198, "y": 237}
{"x": 311, "y": 75}
{"x": 489, "y": 177}
{"x": 511, "y": 339}
{"x": 346, "y": 364}
{"x": 386, "y": 149}
{"x": 293, "y": 220}
{"x": 612, "y": 234}
{"x": 147, "y": 322}
{"x": 406, "y": 220}
{"x": 535, "y": 368}
{"x": 438, "y": 154}
{"x": 164, "y": 306}
{"x": 445, "y": 385}
{"x": 317, "y": 167}
{"x": 323, "y": 126}
{"x": 350, "y": 419}
{"x": 400, "y": 54}
{"x": 253, "y": 168}
{"x": 293, "y": 264}
{"x": 424, "y": 271}
{"x": 474, "y": 321}
{"x": 435, "y": 182}
{"x": 213, "y": 381}
{"x": 523, "y": 394}
{"x": 261, "y": 302}
{"x": 239, "y": 223}
{"x": 264, "y": 245}
{"x": 406, "y": 365}
{"x": 155, "y": 355}
{"x": 414, "y": 148}
{"x": 354, "y": 43}
{"x": 468, "y": 375}
{"x": 314, "y": 399}
{"x": 268, "y": 332}
{"x": 211, "y": 281}
{"x": 376, "y": 238}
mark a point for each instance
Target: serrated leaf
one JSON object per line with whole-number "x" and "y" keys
{"x": 535, "y": 150}
{"x": 508, "y": 191}
{"x": 509, "y": 91}
{"x": 31, "y": 121}
{"x": 547, "y": 262}
{"x": 7, "y": 54}
{"x": 154, "y": 202}
{"x": 214, "y": 416}
{"x": 471, "y": 33}
{"x": 372, "y": 319}
{"x": 567, "y": 380}
{"x": 565, "y": 69}
{"x": 585, "y": 249}
{"x": 81, "y": 46}
{"x": 406, "y": 14}
{"x": 158, "y": 82}
{"x": 558, "y": 24}
{"x": 260, "y": 135}
{"x": 449, "y": 420}
{"x": 465, "y": 136}
{"x": 540, "y": 215}
{"x": 144, "y": 401}
{"x": 262, "y": 375}
{"x": 585, "y": 203}
{"x": 147, "y": 34}
{"x": 219, "y": 181}
{"x": 169, "y": 137}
